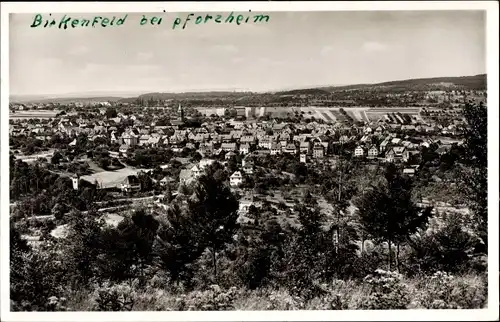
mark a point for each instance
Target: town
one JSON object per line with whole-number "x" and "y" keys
{"x": 201, "y": 171}
{"x": 110, "y": 145}
{"x": 110, "y": 157}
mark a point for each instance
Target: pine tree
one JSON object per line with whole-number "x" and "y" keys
{"x": 387, "y": 212}
{"x": 215, "y": 210}
{"x": 177, "y": 244}
{"x": 129, "y": 246}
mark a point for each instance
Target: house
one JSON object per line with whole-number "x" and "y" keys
{"x": 318, "y": 151}
{"x": 305, "y": 147}
{"x": 196, "y": 171}
{"x": 275, "y": 149}
{"x": 236, "y": 179}
{"x": 383, "y": 145}
{"x": 227, "y": 138}
{"x": 284, "y": 137}
{"x": 379, "y": 130}
{"x": 409, "y": 172}
{"x": 130, "y": 139}
{"x": 165, "y": 181}
{"x": 144, "y": 139}
{"x": 303, "y": 158}
{"x": 291, "y": 149}
{"x": 373, "y": 152}
{"x": 397, "y": 154}
{"x": 364, "y": 138}
{"x": 206, "y": 148}
{"x": 359, "y": 151}
{"x": 265, "y": 143}
{"x": 344, "y": 139}
{"x": 244, "y": 206}
{"x": 123, "y": 149}
{"x": 228, "y": 147}
{"x": 229, "y": 155}
{"x": 249, "y": 139}
{"x": 244, "y": 148}
{"x": 262, "y": 153}
{"x": 396, "y": 141}
{"x": 114, "y": 139}
{"x": 389, "y": 156}
{"x": 130, "y": 184}
{"x": 155, "y": 140}
{"x": 248, "y": 167}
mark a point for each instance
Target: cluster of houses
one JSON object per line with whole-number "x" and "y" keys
{"x": 306, "y": 140}
{"x": 376, "y": 141}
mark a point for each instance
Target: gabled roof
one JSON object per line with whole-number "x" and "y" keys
{"x": 236, "y": 174}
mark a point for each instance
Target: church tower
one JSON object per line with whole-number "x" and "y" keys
{"x": 180, "y": 111}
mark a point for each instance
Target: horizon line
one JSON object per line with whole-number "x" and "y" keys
{"x": 134, "y": 93}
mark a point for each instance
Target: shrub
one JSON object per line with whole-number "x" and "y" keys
{"x": 118, "y": 297}
{"x": 283, "y": 301}
{"x": 334, "y": 298}
{"x": 387, "y": 292}
{"x": 56, "y": 303}
{"x": 445, "y": 291}
{"x": 213, "y": 299}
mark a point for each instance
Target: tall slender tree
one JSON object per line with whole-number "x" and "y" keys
{"x": 387, "y": 212}
{"x": 178, "y": 244}
{"x": 215, "y": 209}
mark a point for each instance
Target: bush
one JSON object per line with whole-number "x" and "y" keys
{"x": 213, "y": 299}
{"x": 335, "y": 297}
{"x": 387, "y": 292}
{"x": 445, "y": 291}
{"x": 283, "y": 301}
{"x": 117, "y": 297}
{"x": 35, "y": 277}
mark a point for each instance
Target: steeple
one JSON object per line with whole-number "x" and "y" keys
{"x": 180, "y": 111}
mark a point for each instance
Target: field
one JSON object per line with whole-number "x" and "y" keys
{"x": 363, "y": 114}
{"x": 33, "y": 114}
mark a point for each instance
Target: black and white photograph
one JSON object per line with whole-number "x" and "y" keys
{"x": 249, "y": 159}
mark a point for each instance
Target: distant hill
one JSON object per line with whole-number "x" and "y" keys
{"x": 26, "y": 98}
{"x": 66, "y": 100}
{"x": 188, "y": 95}
{"x": 308, "y": 91}
{"x": 477, "y": 82}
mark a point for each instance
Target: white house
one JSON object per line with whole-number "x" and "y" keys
{"x": 236, "y": 179}
{"x": 359, "y": 152}
{"x": 245, "y": 148}
{"x": 409, "y": 172}
{"x": 275, "y": 149}
{"x": 123, "y": 149}
{"x": 303, "y": 158}
{"x": 373, "y": 152}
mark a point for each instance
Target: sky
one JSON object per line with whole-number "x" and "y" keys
{"x": 292, "y": 50}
